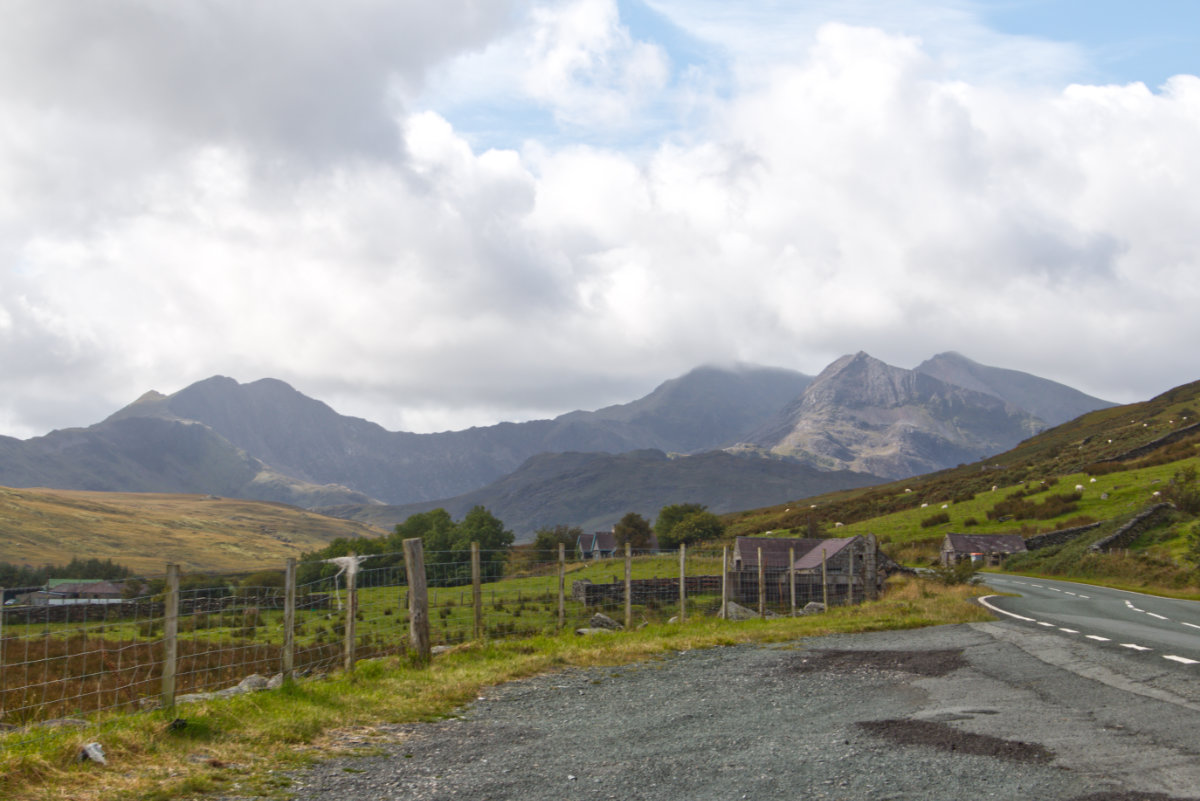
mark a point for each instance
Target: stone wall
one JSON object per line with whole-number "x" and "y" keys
{"x": 1059, "y": 537}
{"x": 1129, "y": 532}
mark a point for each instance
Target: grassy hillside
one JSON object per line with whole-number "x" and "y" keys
{"x": 1118, "y": 459}
{"x": 144, "y": 531}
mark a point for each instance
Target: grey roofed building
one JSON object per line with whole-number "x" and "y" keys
{"x": 598, "y": 545}
{"x": 987, "y": 548}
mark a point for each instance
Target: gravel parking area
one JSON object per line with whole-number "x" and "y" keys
{"x": 845, "y": 717}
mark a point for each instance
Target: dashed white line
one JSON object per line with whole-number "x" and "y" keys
{"x": 1039, "y": 586}
{"x": 1181, "y": 659}
{"x": 1098, "y": 638}
{"x": 1041, "y": 623}
{"x": 1160, "y": 617}
{"x": 1068, "y": 592}
{"x": 1134, "y": 647}
{"x": 1085, "y": 597}
{"x": 1068, "y": 631}
{"x": 1193, "y": 625}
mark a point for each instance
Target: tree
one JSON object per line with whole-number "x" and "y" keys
{"x": 546, "y": 541}
{"x": 634, "y": 529}
{"x": 447, "y": 544}
{"x": 696, "y": 527}
{"x": 434, "y": 528}
{"x": 669, "y": 517}
{"x": 686, "y": 523}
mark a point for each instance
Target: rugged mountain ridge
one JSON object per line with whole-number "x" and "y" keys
{"x": 267, "y": 441}
{"x": 264, "y": 440}
{"x": 862, "y": 414}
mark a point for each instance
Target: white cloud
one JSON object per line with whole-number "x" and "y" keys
{"x": 862, "y": 192}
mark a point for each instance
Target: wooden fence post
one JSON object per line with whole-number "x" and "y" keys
{"x": 870, "y": 571}
{"x": 824, "y": 582}
{"x": 418, "y": 600}
{"x": 628, "y": 585}
{"x": 792, "y": 577}
{"x": 850, "y": 574}
{"x": 724, "y": 581}
{"x": 289, "y": 620}
{"x": 351, "y": 614}
{"x": 477, "y": 590}
{"x": 170, "y": 637}
{"x": 762, "y": 586}
{"x": 682, "y": 582}
{"x": 562, "y": 586}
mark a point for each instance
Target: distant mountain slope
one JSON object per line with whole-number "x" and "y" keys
{"x": 1049, "y": 400}
{"x": 594, "y": 490}
{"x": 145, "y": 531}
{"x": 862, "y": 414}
{"x": 266, "y": 440}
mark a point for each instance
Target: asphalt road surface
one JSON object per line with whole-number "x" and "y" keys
{"x": 1160, "y": 628}
{"x": 1010, "y": 709}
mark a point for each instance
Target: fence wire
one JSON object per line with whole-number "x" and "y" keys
{"x": 83, "y": 656}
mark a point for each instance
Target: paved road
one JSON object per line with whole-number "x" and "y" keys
{"x": 1158, "y": 628}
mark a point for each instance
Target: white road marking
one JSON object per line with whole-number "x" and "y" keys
{"x": 1069, "y": 631}
{"x": 1134, "y": 647}
{"x": 1160, "y": 617}
{"x": 1068, "y": 592}
{"x": 1098, "y": 637}
{"x": 1193, "y": 625}
{"x": 1085, "y": 597}
{"x": 984, "y": 601}
{"x": 1040, "y": 623}
{"x": 1039, "y": 586}
{"x": 1181, "y": 659}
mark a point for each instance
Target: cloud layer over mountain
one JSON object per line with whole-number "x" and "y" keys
{"x": 442, "y": 215}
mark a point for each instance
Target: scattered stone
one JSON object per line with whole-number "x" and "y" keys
{"x": 441, "y": 649}
{"x": 602, "y": 621}
{"x": 253, "y": 682}
{"x": 276, "y": 682}
{"x": 813, "y": 608}
{"x": 592, "y": 630}
{"x": 93, "y": 752}
{"x": 735, "y": 611}
{"x": 59, "y": 723}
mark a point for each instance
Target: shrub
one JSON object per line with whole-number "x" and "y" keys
{"x": 964, "y": 572}
{"x": 936, "y": 520}
{"x": 970, "y": 521}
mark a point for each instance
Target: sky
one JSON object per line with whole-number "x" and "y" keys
{"x": 441, "y": 215}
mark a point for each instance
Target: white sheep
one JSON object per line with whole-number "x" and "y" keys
{"x": 1092, "y": 480}
{"x": 924, "y": 505}
{"x": 838, "y": 525}
{"x": 908, "y": 490}
{"x": 994, "y": 487}
{"x": 1079, "y": 488}
{"x": 945, "y": 506}
{"x": 1156, "y": 493}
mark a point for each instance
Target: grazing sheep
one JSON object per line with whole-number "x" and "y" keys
{"x": 1079, "y": 488}
{"x": 838, "y": 525}
{"x": 994, "y": 487}
{"x": 908, "y": 490}
{"x": 945, "y": 506}
{"x": 1156, "y": 493}
{"x": 924, "y": 505}
{"x": 1092, "y": 480}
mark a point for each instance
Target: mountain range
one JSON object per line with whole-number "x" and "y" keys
{"x": 775, "y": 431}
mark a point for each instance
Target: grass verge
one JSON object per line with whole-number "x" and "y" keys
{"x": 243, "y": 745}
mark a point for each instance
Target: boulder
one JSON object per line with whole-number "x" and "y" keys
{"x": 813, "y": 608}
{"x": 601, "y": 621}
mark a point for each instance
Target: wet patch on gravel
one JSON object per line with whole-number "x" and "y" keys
{"x": 920, "y": 663}
{"x": 947, "y": 738}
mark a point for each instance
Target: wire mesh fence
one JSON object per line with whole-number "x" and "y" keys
{"x": 173, "y": 638}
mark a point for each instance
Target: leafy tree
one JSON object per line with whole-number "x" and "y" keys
{"x": 696, "y": 527}
{"x": 669, "y": 517}
{"x": 546, "y": 541}
{"x": 1183, "y": 491}
{"x": 634, "y": 529}
{"x": 964, "y": 572}
{"x": 434, "y": 528}
{"x": 264, "y": 582}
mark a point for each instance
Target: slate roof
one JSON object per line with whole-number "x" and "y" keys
{"x": 984, "y": 543}
{"x": 774, "y": 550}
{"x": 603, "y": 541}
{"x": 812, "y": 559}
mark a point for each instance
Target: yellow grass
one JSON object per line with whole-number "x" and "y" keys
{"x": 144, "y": 531}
